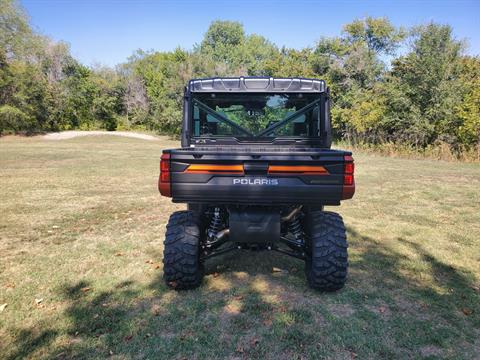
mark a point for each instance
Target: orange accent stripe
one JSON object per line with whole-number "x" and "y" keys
{"x": 297, "y": 169}
{"x": 214, "y": 169}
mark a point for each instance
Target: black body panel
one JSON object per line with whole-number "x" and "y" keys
{"x": 255, "y": 186}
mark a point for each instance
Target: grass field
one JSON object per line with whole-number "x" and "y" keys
{"x": 81, "y": 231}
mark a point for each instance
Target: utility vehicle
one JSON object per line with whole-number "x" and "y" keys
{"x": 256, "y": 171}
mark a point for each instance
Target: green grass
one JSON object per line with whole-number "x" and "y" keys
{"x": 81, "y": 219}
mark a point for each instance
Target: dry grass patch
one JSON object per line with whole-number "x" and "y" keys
{"x": 82, "y": 226}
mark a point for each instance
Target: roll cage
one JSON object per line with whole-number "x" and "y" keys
{"x": 321, "y": 137}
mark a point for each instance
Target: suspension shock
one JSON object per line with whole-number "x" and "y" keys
{"x": 296, "y": 229}
{"x": 216, "y": 224}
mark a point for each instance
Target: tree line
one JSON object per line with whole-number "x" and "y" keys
{"x": 415, "y": 87}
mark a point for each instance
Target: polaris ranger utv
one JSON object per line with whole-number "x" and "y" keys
{"x": 256, "y": 171}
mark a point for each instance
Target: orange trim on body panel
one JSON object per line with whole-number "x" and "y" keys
{"x": 297, "y": 169}
{"x": 214, "y": 169}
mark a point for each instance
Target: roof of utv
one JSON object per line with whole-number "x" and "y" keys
{"x": 257, "y": 85}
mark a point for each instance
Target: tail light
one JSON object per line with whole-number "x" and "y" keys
{"x": 164, "y": 183}
{"x": 348, "y": 177}
{"x": 296, "y": 169}
{"x": 215, "y": 169}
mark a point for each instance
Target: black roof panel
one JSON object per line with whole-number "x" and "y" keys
{"x": 257, "y": 84}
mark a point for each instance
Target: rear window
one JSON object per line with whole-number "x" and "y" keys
{"x": 255, "y": 115}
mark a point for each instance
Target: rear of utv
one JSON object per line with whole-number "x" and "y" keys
{"x": 256, "y": 171}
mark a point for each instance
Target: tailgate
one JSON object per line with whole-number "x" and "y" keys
{"x": 307, "y": 176}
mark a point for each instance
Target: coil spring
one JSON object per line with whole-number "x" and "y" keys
{"x": 295, "y": 228}
{"x": 216, "y": 224}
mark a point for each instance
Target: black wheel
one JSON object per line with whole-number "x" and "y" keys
{"x": 182, "y": 267}
{"x": 327, "y": 257}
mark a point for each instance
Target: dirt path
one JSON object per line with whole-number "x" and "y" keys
{"x": 72, "y": 134}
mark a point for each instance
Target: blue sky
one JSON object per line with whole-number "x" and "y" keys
{"x": 107, "y": 31}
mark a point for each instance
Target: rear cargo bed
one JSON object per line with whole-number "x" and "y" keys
{"x": 257, "y": 175}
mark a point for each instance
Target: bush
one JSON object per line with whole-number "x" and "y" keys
{"x": 14, "y": 120}
{"x": 110, "y": 123}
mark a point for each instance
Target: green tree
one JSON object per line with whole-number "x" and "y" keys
{"x": 13, "y": 119}
{"x": 257, "y": 51}
{"x": 423, "y": 88}
{"x": 15, "y": 31}
{"x": 379, "y": 35}
{"x": 223, "y": 41}
{"x": 469, "y": 109}
{"x": 353, "y": 67}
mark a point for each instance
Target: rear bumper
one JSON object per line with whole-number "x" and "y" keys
{"x": 257, "y": 190}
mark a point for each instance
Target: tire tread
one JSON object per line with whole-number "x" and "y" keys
{"x": 182, "y": 268}
{"x": 327, "y": 264}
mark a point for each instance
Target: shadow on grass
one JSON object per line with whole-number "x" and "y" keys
{"x": 28, "y": 341}
{"x": 248, "y": 312}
